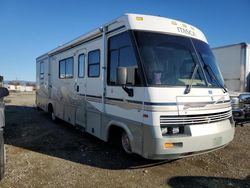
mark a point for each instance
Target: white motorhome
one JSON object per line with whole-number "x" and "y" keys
{"x": 148, "y": 81}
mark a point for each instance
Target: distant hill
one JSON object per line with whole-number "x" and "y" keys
{"x": 19, "y": 82}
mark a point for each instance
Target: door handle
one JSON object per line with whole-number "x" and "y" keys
{"x": 76, "y": 87}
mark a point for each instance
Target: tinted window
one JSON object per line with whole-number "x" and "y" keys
{"x": 94, "y": 63}
{"x": 69, "y": 68}
{"x": 42, "y": 70}
{"x": 127, "y": 57}
{"x": 113, "y": 65}
{"x": 245, "y": 98}
{"x": 66, "y": 68}
{"x": 212, "y": 71}
{"x": 169, "y": 60}
{"x": 62, "y": 69}
{"x": 81, "y": 65}
{"x": 121, "y": 54}
{"x": 119, "y": 41}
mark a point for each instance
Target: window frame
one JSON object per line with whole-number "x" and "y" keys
{"x": 82, "y": 54}
{"x": 65, "y": 66}
{"x": 132, "y": 44}
{"x": 99, "y": 63}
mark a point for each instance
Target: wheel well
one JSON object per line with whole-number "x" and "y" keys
{"x": 50, "y": 108}
{"x": 115, "y": 133}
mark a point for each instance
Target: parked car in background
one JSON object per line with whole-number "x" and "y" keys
{"x": 241, "y": 107}
{"x": 3, "y": 92}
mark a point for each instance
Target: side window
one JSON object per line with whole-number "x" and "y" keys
{"x": 121, "y": 54}
{"x": 94, "y": 63}
{"x": 81, "y": 65}
{"x": 62, "y": 69}
{"x": 41, "y": 70}
{"x": 66, "y": 68}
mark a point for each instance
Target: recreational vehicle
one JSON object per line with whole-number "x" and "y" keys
{"x": 148, "y": 82}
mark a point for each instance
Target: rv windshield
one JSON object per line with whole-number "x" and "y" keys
{"x": 171, "y": 60}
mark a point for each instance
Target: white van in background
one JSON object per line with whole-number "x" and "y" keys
{"x": 148, "y": 81}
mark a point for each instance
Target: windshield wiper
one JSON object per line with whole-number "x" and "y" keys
{"x": 212, "y": 74}
{"x": 188, "y": 88}
{"x": 207, "y": 68}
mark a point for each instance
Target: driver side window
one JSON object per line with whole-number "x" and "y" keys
{"x": 121, "y": 54}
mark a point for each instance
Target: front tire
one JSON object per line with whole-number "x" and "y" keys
{"x": 125, "y": 142}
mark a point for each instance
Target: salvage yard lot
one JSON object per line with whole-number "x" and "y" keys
{"x": 41, "y": 153}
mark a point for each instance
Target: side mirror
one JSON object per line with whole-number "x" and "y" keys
{"x": 3, "y": 92}
{"x": 122, "y": 75}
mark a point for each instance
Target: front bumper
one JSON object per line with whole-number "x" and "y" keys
{"x": 203, "y": 138}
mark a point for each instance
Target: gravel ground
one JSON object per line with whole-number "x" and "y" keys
{"x": 41, "y": 153}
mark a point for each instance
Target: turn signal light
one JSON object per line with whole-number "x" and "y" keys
{"x": 168, "y": 145}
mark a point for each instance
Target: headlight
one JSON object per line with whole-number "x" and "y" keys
{"x": 235, "y": 102}
{"x": 164, "y": 130}
{"x": 172, "y": 130}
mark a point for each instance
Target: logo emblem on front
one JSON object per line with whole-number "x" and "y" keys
{"x": 210, "y": 92}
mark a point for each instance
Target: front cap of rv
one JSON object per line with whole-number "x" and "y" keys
{"x": 162, "y": 25}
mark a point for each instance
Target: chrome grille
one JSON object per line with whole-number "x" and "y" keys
{"x": 195, "y": 119}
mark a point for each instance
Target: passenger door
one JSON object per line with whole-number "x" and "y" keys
{"x": 42, "y": 83}
{"x": 80, "y": 87}
{"x": 94, "y": 92}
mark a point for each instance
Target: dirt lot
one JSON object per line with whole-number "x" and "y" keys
{"x": 41, "y": 153}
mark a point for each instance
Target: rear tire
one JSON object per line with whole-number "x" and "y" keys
{"x": 52, "y": 113}
{"x": 53, "y": 116}
{"x": 125, "y": 142}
